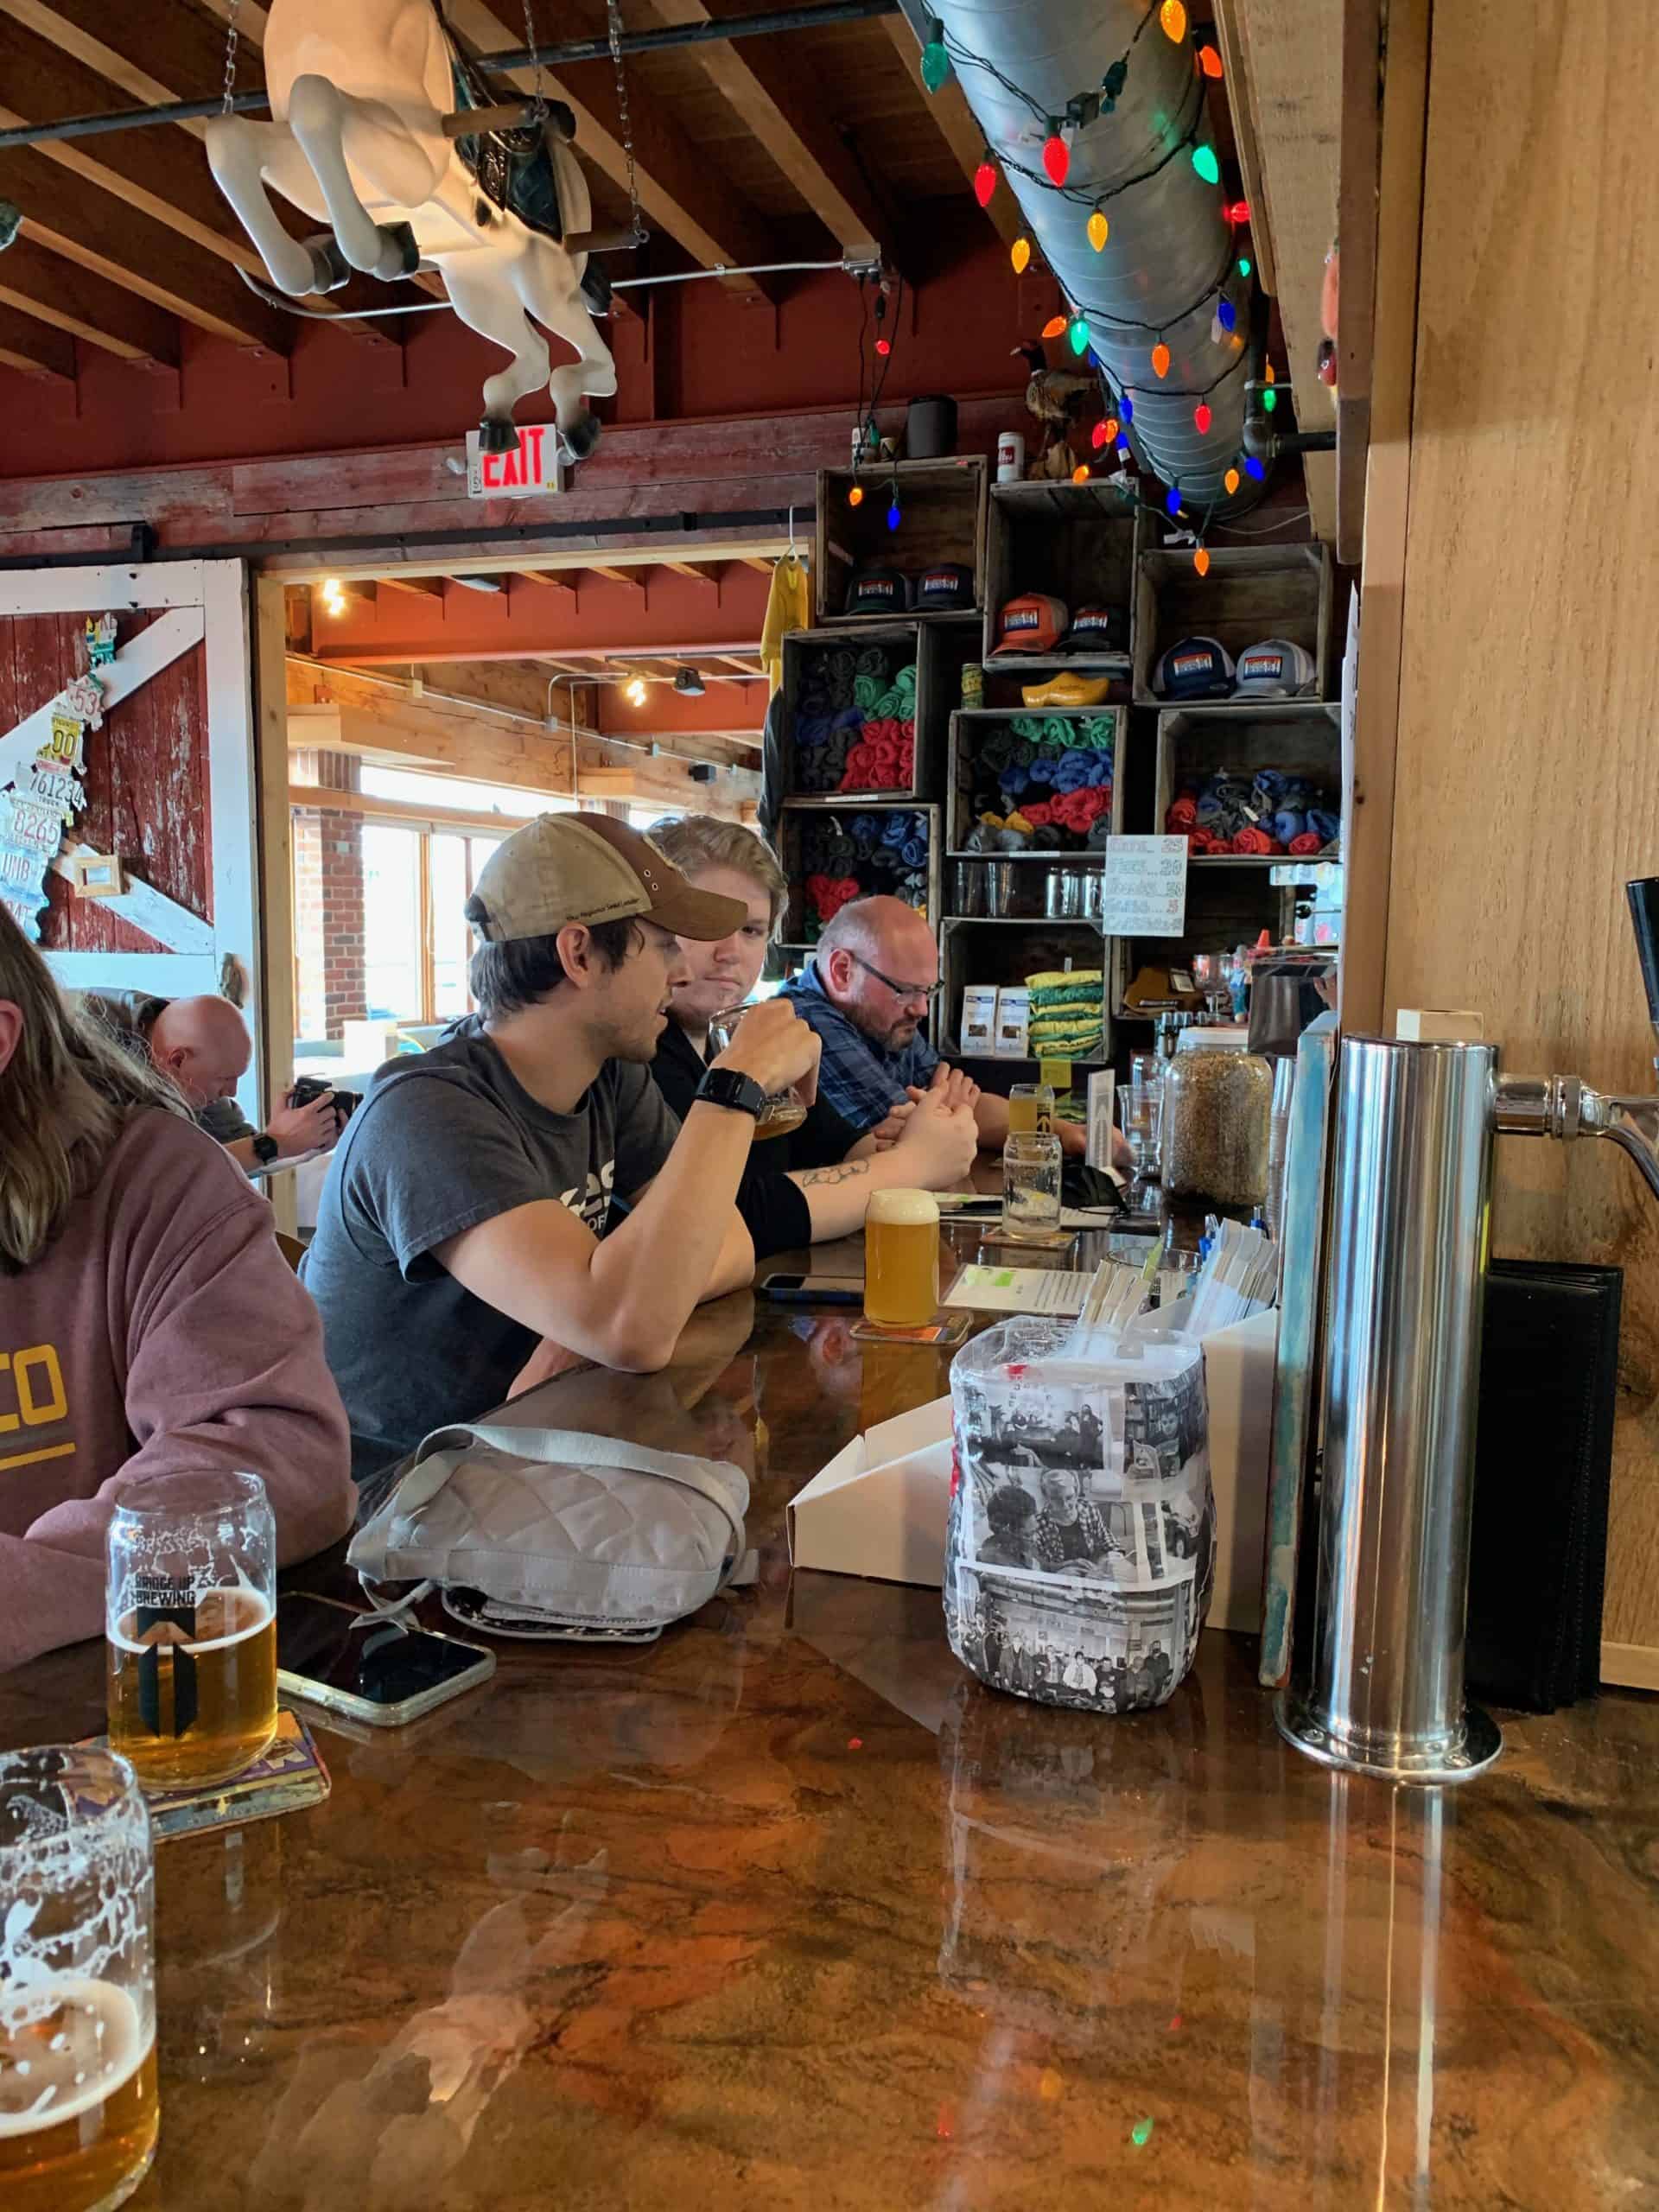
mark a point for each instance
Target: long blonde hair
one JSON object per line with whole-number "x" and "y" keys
{"x": 66, "y": 1096}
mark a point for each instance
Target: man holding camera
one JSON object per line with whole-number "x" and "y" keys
{"x": 202, "y": 1046}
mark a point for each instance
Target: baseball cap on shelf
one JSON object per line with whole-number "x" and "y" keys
{"x": 947, "y": 583}
{"x": 877, "y": 591}
{"x": 1100, "y": 629}
{"x": 1275, "y": 669}
{"x": 1196, "y": 668}
{"x": 1033, "y": 623}
{"x": 586, "y": 868}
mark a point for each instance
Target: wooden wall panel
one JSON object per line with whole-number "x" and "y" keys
{"x": 146, "y": 778}
{"x": 1528, "y": 764}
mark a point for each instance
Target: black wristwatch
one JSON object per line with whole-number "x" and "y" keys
{"x": 726, "y": 1087}
{"x": 265, "y": 1147}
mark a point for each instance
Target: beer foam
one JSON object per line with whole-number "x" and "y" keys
{"x": 92, "y": 2052}
{"x": 209, "y": 1643}
{"x": 904, "y": 1210}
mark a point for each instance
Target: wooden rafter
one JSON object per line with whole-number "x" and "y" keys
{"x": 418, "y": 586}
{"x": 1284, "y": 82}
{"x": 101, "y": 231}
{"x": 748, "y": 560}
{"x": 680, "y": 190}
{"x": 36, "y": 347}
{"x": 550, "y": 577}
{"x": 85, "y": 304}
{"x": 776, "y": 99}
{"x": 77, "y": 49}
{"x": 632, "y": 577}
{"x": 953, "y": 118}
{"x": 698, "y": 571}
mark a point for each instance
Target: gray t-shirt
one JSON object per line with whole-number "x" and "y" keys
{"x": 440, "y": 1144}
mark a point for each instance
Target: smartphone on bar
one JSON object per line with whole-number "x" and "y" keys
{"x": 369, "y": 1665}
{"x": 814, "y": 1290}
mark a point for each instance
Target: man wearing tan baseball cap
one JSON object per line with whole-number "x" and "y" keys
{"x": 465, "y": 1236}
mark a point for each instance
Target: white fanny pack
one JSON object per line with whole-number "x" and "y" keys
{"x": 546, "y": 1532}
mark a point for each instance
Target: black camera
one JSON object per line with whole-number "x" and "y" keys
{"x": 310, "y": 1087}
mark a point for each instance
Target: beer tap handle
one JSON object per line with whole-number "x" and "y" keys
{"x": 1643, "y": 895}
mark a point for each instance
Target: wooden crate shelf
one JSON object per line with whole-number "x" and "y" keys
{"x": 1194, "y": 744}
{"x": 939, "y": 655}
{"x": 803, "y": 834}
{"x": 975, "y": 950}
{"x": 1250, "y": 592}
{"x": 1076, "y": 541}
{"x": 942, "y": 509}
{"x": 970, "y": 730}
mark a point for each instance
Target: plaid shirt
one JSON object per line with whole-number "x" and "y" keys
{"x": 1087, "y": 1537}
{"x": 857, "y": 1077}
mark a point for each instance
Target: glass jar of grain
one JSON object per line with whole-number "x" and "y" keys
{"x": 1217, "y": 1121}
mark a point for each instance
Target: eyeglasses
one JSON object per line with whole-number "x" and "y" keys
{"x": 927, "y": 991}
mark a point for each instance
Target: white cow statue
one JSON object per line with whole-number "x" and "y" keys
{"x": 359, "y": 91}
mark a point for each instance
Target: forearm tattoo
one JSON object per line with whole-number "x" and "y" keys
{"x": 843, "y": 1172}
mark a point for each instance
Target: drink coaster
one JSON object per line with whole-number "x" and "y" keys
{"x": 943, "y": 1333}
{"x": 1057, "y": 1240}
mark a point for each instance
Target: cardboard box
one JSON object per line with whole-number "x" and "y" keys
{"x": 1433, "y": 1025}
{"x": 978, "y": 1018}
{"x": 1238, "y": 1371}
{"x": 880, "y": 1505}
{"x": 1012, "y": 1023}
{"x": 1103, "y": 1089}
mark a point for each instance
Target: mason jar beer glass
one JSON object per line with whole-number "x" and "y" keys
{"x": 1031, "y": 1109}
{"x": 191, "y": 1627}
{"x": 901, "y": 1259}
{"x": 784, "y": 1110}
{"x": 78, "y": 2102}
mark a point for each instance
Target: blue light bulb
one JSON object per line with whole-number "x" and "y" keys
{"x": 894, "y": 516}
{"x": 1122, "y": 449}
{"x": 1255, "y": 469}
{"x": 1226, "y": 313}
{"x": 1172, "y": 499}
{"x": 1127, "y": 411}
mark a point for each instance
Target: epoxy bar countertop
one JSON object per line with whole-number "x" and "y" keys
{"x": 788, "y": 1911}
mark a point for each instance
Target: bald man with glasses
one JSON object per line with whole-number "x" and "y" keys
{"x": 873, "y": 978}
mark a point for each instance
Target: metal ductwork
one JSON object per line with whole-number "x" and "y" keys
{"x": 1170, "y": 255}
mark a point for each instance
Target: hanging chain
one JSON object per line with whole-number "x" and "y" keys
{"x": 539, "y": 94}
{"x": 230, "y": 55}
{"x": 613, "y": 25}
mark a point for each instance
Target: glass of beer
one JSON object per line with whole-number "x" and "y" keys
{"x": 191, "y": 1627}
{"x": 901, "y": 1259}
{"x": 78, "y": 2102}
{"x": 1031, "y": 1109}
{"x": 784, "y": 1110}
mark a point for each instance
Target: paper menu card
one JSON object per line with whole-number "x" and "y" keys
{"x": 1020, "y": 1290}
{"x": 1145, "y": 887}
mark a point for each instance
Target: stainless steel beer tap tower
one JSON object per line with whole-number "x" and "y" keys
{"x": 1409, "y": 1244}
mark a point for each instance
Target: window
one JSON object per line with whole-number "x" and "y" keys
{"x": 393, "y": 875}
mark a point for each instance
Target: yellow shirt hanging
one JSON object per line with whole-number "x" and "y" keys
{"x": 788, "y": 607}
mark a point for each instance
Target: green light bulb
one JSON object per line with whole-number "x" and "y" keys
{"x": 1205, "y": 162}
{"x": 936, "y": 63}
{"x": 1243, "y": 264}
{"x": 1269, "y": 399}
{"x": 1079, "y": 335}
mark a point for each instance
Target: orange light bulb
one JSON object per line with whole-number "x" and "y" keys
{"x": 1099, "y": 230}
{"x": 1055, "y": 327}
{"x": 1080, "y": 473}
{"x": 1161, "y": 358}
{"x": 1201, "y": 562}
{"x": 1172, "y": 18}
{"x": 1019, "y": 255}
{"x": 1210, "y": 62}
{"x": 1111, "y": 426}
{"x": 855, "y": 497}
{"x": 1231, "y": 479}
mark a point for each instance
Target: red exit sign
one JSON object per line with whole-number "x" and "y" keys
{"x": 531, "y": 472}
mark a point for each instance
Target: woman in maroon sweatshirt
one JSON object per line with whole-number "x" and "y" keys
{"x": 147, "y": 1321}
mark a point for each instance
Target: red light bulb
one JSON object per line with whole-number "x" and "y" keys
{"x": 1202, "y": 418}
{"x": 985, "y": 182}
{"x": 1098, "y": 436}
{"x": 1057, "y": 158}
{"x": 884, "y": 346}
{"x": 1238, "y": 212}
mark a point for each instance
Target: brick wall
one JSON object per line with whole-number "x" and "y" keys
{"x": 327, "y": 901}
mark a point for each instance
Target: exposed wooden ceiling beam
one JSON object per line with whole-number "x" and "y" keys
{"x": 953, "y": 118}
{"x": 681, "y": 189}
{"x": 553, "y": 581}
{"x": 420, "y": 587}
{"x": 76, "y": 49}
{"x": 632, "y": 577}
{"x": 773, "y": 94}
{"x": 1283, "y": 61}
{"x": 160, "y": 172}
{"x": 696, "y": 570}
{"x": 86, "y": 305}
{"x": 36, "y": 347}
{"x": 748, "y": 560}
{"x": 100, "y": 230}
